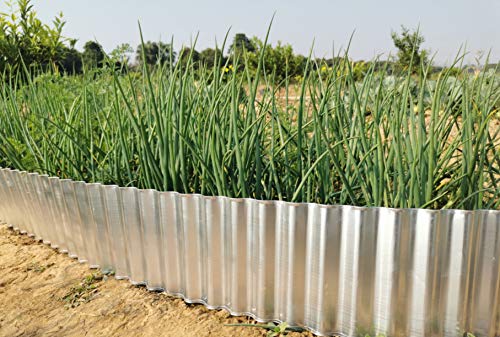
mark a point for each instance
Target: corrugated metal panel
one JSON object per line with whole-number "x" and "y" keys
{"x": 333, "y": 269}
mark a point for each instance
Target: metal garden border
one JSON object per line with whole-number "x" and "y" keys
{"x": 331, "y": 269}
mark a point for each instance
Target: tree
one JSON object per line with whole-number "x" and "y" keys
{"x": 209, "y": 56}
{"x": 240, "y": 43}
{"x": 155, "y": 53}
{"x": 122, "y": 53}
{"x": 71, "y": 61}
{"x": 185, "y": 54}
{"x": 279, "y": 59}
{"x": 119, "y": 57}
{"x": 93, "y": 55}
{"x": 410, "y": 53}
{"x": 25, "y": 39}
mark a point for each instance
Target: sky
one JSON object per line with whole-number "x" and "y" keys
{"x": 446, "y": 24}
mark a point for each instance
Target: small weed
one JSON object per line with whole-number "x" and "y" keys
{"x": 37, "y": 267}
{"x": 84, "y": 291}
{"x": 273, "y": 330}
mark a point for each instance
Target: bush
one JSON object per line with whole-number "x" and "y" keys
{"x": 25, "y": 39}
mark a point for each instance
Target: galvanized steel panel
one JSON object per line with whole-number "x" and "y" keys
{"x": 332, "y": 269}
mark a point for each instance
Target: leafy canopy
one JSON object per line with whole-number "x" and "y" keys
{"x": 410, "y": 54}
{"x": 93, "y": 55}
{"x": 24, "y": 38}
{"x": 154, "y": 53}
{"x": 241, "y": 43}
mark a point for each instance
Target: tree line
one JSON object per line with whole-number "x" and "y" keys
{"x": 25, "y": 41}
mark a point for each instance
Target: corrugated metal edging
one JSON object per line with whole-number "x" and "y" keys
{"x": 332, "y": 269}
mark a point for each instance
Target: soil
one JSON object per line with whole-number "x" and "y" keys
{"x": 46, "y": 293}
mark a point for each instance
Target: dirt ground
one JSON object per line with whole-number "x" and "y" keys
{"x": 45, "y": 293}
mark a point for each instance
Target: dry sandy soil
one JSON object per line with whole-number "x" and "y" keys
{"x": 45, "y": 293}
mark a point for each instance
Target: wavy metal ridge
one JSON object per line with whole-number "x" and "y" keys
{"x": 332, "y": 269}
